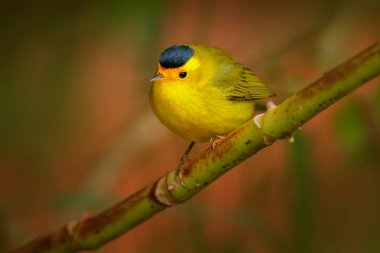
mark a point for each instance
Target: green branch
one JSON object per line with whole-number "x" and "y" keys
{"x": 280, "y": 122}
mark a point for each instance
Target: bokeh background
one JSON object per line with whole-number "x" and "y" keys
{"x": 77, "y": 133}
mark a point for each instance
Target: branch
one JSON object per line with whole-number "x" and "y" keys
{"x": 241, "y": 144}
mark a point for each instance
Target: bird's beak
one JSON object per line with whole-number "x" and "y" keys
{"x": 157, "y": 77}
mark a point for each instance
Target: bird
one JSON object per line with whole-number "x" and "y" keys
{"x": 202, "y": 93}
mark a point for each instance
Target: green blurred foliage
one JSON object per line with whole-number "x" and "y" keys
{"x": 375, "y": 99}
{"x": 304, "y": 200}
{"x": 353, "y": 128}
{"x": 78, "y": 201}
{"x": 40, "y": 48}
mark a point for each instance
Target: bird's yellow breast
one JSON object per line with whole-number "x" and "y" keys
{"x": 197, "y": 114}
{"x": 199, "y": 92}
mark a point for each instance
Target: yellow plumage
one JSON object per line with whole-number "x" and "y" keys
{"x": 216, "y": 96}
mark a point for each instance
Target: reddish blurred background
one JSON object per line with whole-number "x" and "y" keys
{"x": 77, "y": 133}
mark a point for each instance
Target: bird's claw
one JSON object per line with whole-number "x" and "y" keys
{"x": 215, "y": 140}
{"x": 258, "y": 119}
{"x": 271, "y": 105}
{"x": 180, "y": 169}
{"x": 179, "y": 174}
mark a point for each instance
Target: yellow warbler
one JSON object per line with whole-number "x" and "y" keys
{"x": 200, "y": 92}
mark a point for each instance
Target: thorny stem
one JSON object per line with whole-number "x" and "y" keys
{"x": 279, "y": 122}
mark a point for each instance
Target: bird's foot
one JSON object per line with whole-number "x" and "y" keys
{"x": 258, "y": 119}
{"x": 215, "y": 140}
{"x": 184, "y": 160}
{"x": 180, "y": 170}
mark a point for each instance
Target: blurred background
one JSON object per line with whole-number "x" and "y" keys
{"x": 77, "y": 133}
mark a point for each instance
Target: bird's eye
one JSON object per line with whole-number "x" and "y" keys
{"x": 182, "y": 75}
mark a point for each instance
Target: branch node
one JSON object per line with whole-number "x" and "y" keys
{"x": 162, "y": 192}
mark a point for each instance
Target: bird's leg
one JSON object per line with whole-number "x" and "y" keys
{"x": 184, "y": 158}
{"x": 215, "y": 140}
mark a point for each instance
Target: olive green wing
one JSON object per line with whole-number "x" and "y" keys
{"x": 240, "y": 84}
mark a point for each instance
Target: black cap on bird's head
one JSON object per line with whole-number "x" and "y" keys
{"x": 175, "y": 56}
